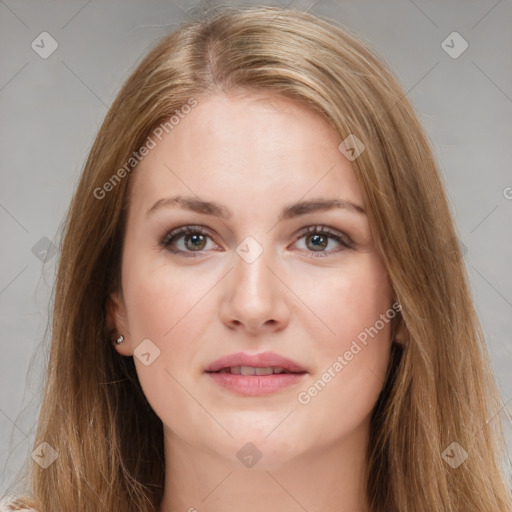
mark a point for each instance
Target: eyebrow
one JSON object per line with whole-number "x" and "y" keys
{"x": 215, "y": 209}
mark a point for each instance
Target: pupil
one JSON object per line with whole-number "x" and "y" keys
{"x": 195, "y": 239}
{"x": 316, "y": 238}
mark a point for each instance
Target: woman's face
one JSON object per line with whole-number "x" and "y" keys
{"x": 264, "y": 278}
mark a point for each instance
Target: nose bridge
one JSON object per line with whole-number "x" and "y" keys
{"x": 251, "y": 275}
{"x": 254, "y": 297}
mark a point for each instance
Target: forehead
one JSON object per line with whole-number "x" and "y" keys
{"x": 246, "y": 148}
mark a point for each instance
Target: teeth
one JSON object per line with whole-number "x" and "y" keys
{"x": 249, "y": 370}
{"x": 263, "y": 371}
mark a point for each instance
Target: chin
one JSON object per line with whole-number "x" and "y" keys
{"x": 254, "y": 449}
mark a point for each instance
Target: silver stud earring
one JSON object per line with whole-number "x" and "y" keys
{"x": 120, "y": 340}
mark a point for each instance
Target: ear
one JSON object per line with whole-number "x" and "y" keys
{"x": 117, "y": 323}
{"x": 400, "y": 334}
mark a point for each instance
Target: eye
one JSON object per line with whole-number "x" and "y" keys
{"x": 195, "y": 240}
{"x": 317, "y": 239}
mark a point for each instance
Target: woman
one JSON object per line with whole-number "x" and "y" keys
{"x": 261, "y": 302}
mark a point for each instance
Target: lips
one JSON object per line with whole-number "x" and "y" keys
{"x": 256, "y": 364}
{"x": 255, "y": 375}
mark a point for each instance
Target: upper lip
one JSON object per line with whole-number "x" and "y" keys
{"x": 261, "y": 360}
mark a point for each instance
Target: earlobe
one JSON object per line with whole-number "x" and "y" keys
{"x": 117, "y": 324}
{"x": 401, "y": 334}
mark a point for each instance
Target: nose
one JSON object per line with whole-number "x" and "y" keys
{"x": 255, "y": 298}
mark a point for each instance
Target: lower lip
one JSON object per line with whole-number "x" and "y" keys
{"x": 256, "y": 385}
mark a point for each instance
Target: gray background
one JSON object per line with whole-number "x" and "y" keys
{"x": 50, "y": 110}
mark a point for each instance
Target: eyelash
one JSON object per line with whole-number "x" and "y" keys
{"x": 172, "y": 235}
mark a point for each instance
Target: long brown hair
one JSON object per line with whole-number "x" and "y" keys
{"x": 440, "y": 389}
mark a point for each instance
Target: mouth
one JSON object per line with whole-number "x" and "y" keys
{"x": 256, "y": 374}
{"x": 251, "y": 370}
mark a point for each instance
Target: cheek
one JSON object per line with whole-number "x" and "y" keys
{"x": 353, "y": 353}
{"x": 348, "y": 300}
{"x": 162, "y": 300}
{"x": 166, "y": 308}
{"x": 169, "y": 306}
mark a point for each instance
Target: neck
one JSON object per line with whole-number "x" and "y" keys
{"x": 332, "y": 479}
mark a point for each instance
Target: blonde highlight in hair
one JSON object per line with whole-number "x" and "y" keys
{"x": 440, "y": 387}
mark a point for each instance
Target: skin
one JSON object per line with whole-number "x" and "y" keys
{"x": 254, "y": 153}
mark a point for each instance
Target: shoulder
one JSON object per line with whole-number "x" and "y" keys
{"x": 8, "y": 506}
